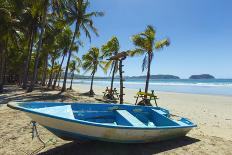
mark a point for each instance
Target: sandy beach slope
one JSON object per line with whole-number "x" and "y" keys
{"x": 212, "y": 114}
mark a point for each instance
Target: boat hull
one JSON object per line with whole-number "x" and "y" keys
{"x": 69, "y": 130}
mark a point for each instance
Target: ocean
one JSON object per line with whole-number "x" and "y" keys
{"x": 211, "y": 86}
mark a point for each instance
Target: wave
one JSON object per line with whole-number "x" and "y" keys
{"x": 199, "y": 84}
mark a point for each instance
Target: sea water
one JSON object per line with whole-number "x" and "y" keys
{"x": 205, "y": 86}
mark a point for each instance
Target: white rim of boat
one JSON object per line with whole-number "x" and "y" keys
{"x": 15, "y": 105}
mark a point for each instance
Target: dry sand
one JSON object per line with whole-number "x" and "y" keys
{"x": 212, "y": 114}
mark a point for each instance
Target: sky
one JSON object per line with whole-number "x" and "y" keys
{"x": 200, "y": 32}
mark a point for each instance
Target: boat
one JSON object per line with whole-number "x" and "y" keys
{"x": 105, "y": 122}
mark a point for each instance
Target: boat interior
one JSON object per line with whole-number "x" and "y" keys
{"x": 112, "y": 115}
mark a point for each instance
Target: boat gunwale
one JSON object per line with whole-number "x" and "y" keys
{"x": 15, "y": 105}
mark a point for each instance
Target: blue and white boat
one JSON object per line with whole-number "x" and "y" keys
{"x": 106, "y": 122}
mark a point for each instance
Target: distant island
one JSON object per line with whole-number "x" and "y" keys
{"x": 160, "y": 76}
{"x": 202, "y": 76}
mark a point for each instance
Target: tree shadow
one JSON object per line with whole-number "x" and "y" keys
{"x": 46, "y": 97}
{"x": 106, "y": 148}
{"x": 14, "y": 93}
{"x": 87, "y": 94}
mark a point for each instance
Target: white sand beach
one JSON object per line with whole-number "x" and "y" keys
{"x": 212, "y": 114}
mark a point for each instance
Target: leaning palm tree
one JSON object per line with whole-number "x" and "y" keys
{"x": 146, "y": 43}
{"x": 42, "y": 8}
{"x": 74, "y": 66}
{"x": 54, "y": 55}
{"x": 91, "y": 61}
{"x": 111, "y": 48}
{"x": 63, "y": 39}
{"x": 77, "y": 14}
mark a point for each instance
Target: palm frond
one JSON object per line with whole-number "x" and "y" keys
{"x": 136, "y": 52}
{"x": 111, "y": 47}
{"x": 160, "y": 44}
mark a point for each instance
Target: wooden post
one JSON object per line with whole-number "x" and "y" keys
{"x": 120, "y": 57}
{"x": 121, "y": 80}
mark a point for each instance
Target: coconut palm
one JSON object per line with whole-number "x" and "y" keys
{"x": 30, "y": 20}
{"x": 146, "y": 43}
{"x": 50, "y": 48}
{"x": 91, "y": 61}
{"x": 74, "y": 66}
{"x": 9, "y": 34}
{"x": 42, "y": 7}
{"x": 77, "y": 14}
{"x": 64, "y": 40}
{"x": 54, "y": 55}
{"x": 111, "y": 48}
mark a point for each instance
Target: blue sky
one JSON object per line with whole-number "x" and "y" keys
{"x": 200, "y": 32}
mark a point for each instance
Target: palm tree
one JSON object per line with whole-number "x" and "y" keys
{"x": 9, "y": 34}
{"x": 77, "y": 14}
{"x": 43, "y": 7}
{"x": 50, "y": 48}
{"x": 54, "y": 55}
{"x": 146, "y": 43}
{"x": 55, "y": 71}
{"x": 111, "y": 48}
{"x": 64, "y": 40}
{"x": 91, "y": 61}
{"x": 74, "y": 66}
{"x": 30, "y": 20}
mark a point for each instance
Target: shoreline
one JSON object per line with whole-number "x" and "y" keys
{"x": 75, "y": 87}
{"x": 222, "y": 88}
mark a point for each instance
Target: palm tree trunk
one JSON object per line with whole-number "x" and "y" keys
{"x": 26, "y": 69}
{"x": 91, "y": 86}
{"x": 51, "y": 73}
{"x": 71, "y": 81}
{"x": 59, "y": 72}
{"x": 113, "y": 74}
{"x": 59, "y": 80}
{"x": 45, "y": 70}
{"x": 39, "y": 49}
{"x": 69, "y": 56}
{"x": 2, "y": 72}
{"x": 148, "y": 74}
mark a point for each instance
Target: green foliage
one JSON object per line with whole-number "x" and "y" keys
{"x": 36, "y": 34}
{"x": 75, "y": 65}
{"x": 110, "y": 49}
{"x": 92, "y": 60}
{"x": 146, "y": 43}
{"x": 76, "y": 12}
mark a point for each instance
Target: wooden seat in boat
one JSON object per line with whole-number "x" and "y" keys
{"x": 124, "y": 117}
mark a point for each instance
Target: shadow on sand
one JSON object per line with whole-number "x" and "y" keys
{"x": 105, "y": 148}
{"x": 21, "y": 95}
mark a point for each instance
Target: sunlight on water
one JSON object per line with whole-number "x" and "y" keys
{"x": 215, "y": 86}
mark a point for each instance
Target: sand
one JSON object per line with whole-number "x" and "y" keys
{"x": 212, "y": 114}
